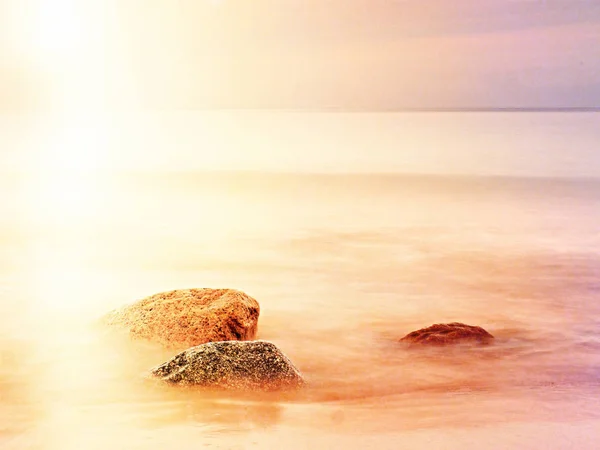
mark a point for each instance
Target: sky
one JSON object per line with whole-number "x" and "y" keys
{"x": 127, "y": 84}
{"x": 298, "y": 54}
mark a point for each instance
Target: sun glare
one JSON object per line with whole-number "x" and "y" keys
{"x": 58, "y": 28}
{"x": 65, "y": 43}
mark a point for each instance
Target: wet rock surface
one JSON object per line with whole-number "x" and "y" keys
{"x": 189, "y": 317}
{"x": 448, "y": 333}
{"x": 232, "y": 365}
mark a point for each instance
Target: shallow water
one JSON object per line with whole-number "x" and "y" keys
{"x": 343, "y": 267}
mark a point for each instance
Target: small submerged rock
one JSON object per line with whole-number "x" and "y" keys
{"x": 232, "y": 365}
{"x": 448, "y": 333}
{"x": 188, "y": 317}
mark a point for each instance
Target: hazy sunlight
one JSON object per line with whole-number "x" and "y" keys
{"x": 59, "y": 29}
{"x": 365, "y": 223}
{"x": 63, "y": 187}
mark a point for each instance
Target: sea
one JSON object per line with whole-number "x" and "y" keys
{"x": 412, "y": 219}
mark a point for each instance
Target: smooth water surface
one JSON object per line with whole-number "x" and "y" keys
{"x": 343, "y": 266}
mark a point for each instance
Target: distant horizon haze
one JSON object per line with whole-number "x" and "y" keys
{"x": 521, "y": 144}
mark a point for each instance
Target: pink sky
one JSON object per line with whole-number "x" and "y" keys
{"x": 372, "y": 54}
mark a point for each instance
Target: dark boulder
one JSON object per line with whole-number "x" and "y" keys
{"x": 232, "y": 365}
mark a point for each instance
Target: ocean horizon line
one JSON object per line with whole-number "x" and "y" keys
{"x": 187, "y": 172}
{"x": 305, "y": 109}
{"x": 342, "y": 109}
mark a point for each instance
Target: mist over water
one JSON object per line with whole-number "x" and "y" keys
{"x": 343, "y": 267}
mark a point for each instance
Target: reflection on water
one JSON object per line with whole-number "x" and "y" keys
{"x": 343, "y": 268}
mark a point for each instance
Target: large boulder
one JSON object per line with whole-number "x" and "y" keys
{"x": 232, "y": 365}
{"x": 448, "y": 333}
{"x": 189, "y": 317}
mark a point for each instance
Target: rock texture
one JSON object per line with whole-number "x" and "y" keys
{"x": 189, "y": 317}
{"x": 232, "y": 365}
{"x": 448, "y": 333}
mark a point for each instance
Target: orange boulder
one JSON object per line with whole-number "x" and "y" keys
{"x": 190, "y": 317}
